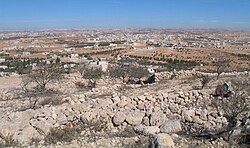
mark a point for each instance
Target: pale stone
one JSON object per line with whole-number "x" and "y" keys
{"x": 61, "y": 119}
{"x": 42, "y": 126}
{"x": 147, "y": 130}
{"x": 157, "y": 118}
{"x": 135, "y": 117}
{"x": 171, "y": 126}
{"x": 119, "y": 118}
{"x": 164, "y": 141}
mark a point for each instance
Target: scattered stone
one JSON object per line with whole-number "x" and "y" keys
{"x": 147, "y": 130}
{"x": 171, "y": 126}
{"x": 157, "y": 118}
{"x": 119, "y": 118}
{"x": 164, "y": 141}
{"x": 135, "y": 118}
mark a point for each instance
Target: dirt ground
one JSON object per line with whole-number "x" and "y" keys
{"x": 10, "y": 82}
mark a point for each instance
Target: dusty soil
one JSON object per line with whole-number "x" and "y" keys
{"x": 10, "y": 82}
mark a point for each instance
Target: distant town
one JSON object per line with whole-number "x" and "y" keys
{"x": 158, "y": 49}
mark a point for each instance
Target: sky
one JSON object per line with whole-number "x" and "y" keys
{"x": 76, "y": 14}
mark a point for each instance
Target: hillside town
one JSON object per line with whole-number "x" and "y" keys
{"x": 150, "y": 46}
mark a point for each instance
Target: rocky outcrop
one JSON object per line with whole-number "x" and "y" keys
{"x": 159, "y": 113}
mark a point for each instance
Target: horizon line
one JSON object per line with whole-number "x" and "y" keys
{"x": 120, "y": 28}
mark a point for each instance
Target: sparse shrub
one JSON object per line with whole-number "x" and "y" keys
{"x": 66, "y": 134}
{"x": 142, "y": 142}
{"x": 127, "y": 132}
{"x": 93, "y": 129}
{"x": 92, "y": 74}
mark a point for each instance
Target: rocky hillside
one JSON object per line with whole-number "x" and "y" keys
{"x": 172, "y": 112}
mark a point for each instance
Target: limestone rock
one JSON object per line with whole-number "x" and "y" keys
{"x": 171, "y": 126}
{"x": 135, "y": 117}
{"x": 119, "y": 118}
{"x": 157, "y": 118}
{"x": 204, "y": 114}
{"x": 41, "y": 126}
{"x": 116, "y": 99}
{"x": 61, "y": 119}
{"x": 164, "y": 141}
{"x": 145, "y": 121}
{"x": 147, "y": 130}
{"x": 188, "y": 114}
{"x": 103, "y": 103}
{"x": 26, "y": 136}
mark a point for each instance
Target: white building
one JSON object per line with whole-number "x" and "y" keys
{"x": 2, "y": 60}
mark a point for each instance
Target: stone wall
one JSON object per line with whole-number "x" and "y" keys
{"x": 161, "y": 112}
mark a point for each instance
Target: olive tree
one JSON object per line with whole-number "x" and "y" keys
{"x": 34, "y": 84}
{"x": 43, "y": 75}
{"x": 127, "y": 71}
{"x": 92, "y": 74}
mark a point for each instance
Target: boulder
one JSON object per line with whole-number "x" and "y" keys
{"x": 147, "y": 130}
{"x": 203, "y": 115}
{"x": 103, "y": 103}
{"x": 141, "y": 98}
{"x": 135, "y": 117}
{"x": 41, "y": 126}
{"x": 61, "y": 119}
{"x": 26, "y": 136}
{"x": 171, "y": 126}
{"x": 157, "y": 118}
{"x": 116, "y": 99}
{"x": 188, "y": 114}
{"x": 174, "y": 108}
{"x": 164, "y": 141}
{"x": 119, "y": 118}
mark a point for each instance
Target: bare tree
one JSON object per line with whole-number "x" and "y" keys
{"x": 44, "y": 75}
{"x": 33, "y": 85}
{"x": 221, "y": 65}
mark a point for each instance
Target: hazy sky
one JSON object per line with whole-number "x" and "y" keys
{"x": 42, "y": 14}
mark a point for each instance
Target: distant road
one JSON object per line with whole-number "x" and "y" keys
{"x": 10, "y": 82}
